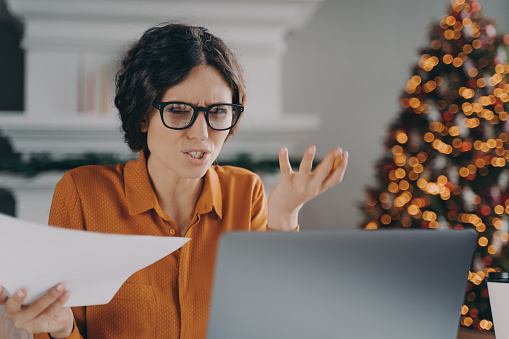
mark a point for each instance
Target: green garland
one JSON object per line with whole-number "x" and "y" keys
{"x": 39, "y": 163}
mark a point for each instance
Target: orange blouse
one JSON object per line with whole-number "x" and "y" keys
{"x": 170, "y": 298}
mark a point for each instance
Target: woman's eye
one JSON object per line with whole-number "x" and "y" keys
{"x": 179, "y": 109}
{"x": 218, "y": 110}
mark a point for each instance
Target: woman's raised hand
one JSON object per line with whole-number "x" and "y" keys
{"x": 296, "y": 188}
{"x": 45, "y": 315}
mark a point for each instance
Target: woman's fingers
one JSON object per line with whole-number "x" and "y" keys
{"x": 330, "y": 171}
{"x": 338, "y": 159}
{"x": 339, "y": 169}
{"x": 41, "y": 304}
{"x": 3, "y": 297}
{"x": 308, "y": 183}
{"x": 14, "y": 303}
{"x": 284, "y": 164}
{"x": 45, "y": 315}
{"x": 45, "y": 306}
{"x": 306, "y": 164}
{"x": 326, "y": 167}
{"x": 44, "y": 318}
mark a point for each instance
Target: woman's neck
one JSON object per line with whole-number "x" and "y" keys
{"x": 176, "y": 195}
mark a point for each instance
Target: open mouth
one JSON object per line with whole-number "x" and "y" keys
{"x": 196, "y": 155}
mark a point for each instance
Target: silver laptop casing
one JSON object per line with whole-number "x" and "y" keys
{"x": 350, "y": 284}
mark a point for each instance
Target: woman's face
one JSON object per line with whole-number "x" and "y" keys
{"x": 187, "y": 153}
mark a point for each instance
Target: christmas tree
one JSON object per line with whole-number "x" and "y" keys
{"x": 447, "y": 152}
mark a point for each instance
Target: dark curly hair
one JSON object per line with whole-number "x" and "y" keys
{"x": 163, "y": 57}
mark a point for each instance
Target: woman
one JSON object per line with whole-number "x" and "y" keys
{"x": 172, "y": 75}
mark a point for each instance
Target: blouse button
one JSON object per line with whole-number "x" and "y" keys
{"x": 172, "y": 232}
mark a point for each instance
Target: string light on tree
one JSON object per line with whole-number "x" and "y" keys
{"x": 447, "y": 152}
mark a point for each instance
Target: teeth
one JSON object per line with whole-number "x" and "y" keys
{"x": 196, "y": 155}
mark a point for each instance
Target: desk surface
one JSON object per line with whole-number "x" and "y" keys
{"x": 473, "y": 334}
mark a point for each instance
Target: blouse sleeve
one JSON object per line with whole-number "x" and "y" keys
{"x": 66, "y": 212}
{"x": 259, "y": 207}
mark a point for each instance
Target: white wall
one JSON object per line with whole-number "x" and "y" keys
{"x": 350, "y": 64}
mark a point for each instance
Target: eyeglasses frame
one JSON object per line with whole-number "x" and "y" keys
{"x": 196, "y": 109}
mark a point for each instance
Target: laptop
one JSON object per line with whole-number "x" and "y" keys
{"x": 350, "y": 284}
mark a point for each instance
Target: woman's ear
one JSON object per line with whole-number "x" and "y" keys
{"x": 144, "y": 124}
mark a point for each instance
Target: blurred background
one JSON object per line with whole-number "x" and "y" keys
{"x": 350, "y": 64}
{"x": 319, "y": 72}
{"x": 322, "y": 72}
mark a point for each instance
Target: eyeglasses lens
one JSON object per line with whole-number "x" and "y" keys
{"x": 222, "y": 116}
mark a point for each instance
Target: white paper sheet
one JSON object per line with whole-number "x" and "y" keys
{"x": 93, "y": 266}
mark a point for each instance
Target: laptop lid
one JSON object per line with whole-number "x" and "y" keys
{"x": 396, "y": 284}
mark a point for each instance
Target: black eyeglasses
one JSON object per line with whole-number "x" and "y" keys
{"x": 181, "y": 115}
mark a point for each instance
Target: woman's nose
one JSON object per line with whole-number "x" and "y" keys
{"x": 199, "y": 129}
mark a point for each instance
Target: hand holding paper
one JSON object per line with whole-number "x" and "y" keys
{"x": 45, "y": 315}
{"x": 36, "y": 258}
